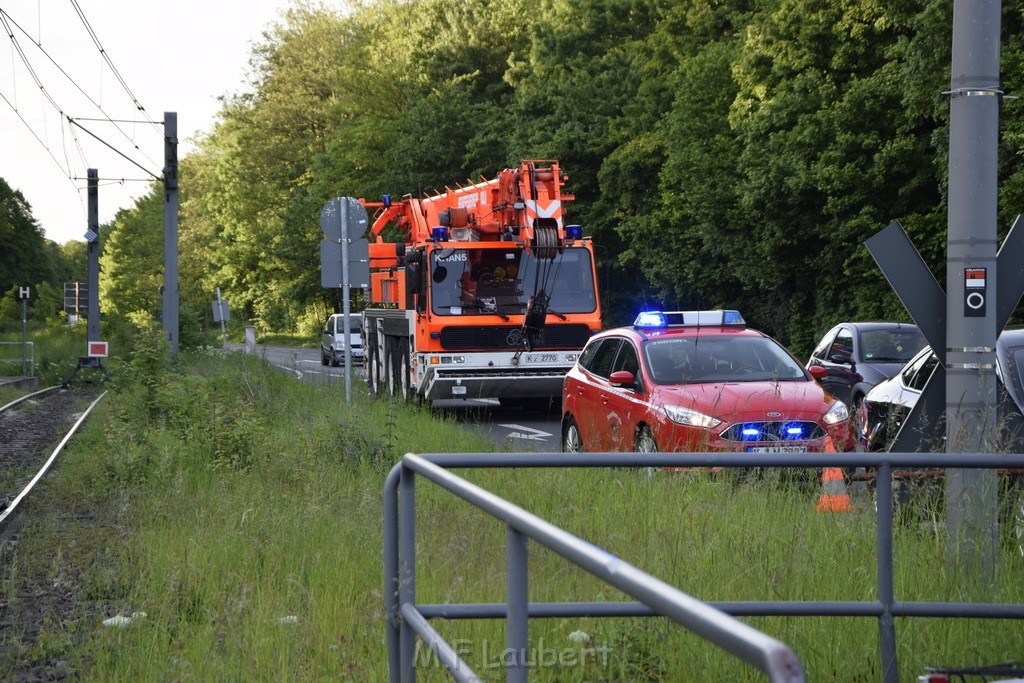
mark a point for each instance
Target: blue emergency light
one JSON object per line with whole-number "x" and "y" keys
{"x": 574, "y": 232}
{"x": 439, "y": 234}
{"x": 649, "y": 319}
{"x": 794, "y": 431}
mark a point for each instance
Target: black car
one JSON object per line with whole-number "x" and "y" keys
{"x": 886, "y": 406}
{"x": 859, "y": 355}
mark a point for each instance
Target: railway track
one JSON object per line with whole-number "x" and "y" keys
{"x": 33, "y": 431}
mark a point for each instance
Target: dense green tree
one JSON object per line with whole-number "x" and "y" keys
{"x": 24, "y": 258}
{"x": 131, "y": 260}
{"x": 732, "y": 153}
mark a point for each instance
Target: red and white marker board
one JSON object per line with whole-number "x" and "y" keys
{"x": 97, "y": 349}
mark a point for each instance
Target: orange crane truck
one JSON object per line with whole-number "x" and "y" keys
{"x": 485, "y": 292}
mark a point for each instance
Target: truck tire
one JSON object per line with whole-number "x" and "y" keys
{"x": 390, "y": 367}
{"x": 373, "y": 366}
{"x": 405, "y": 370}
{"x": 398, "y": 368}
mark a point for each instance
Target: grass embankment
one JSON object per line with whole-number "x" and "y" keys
{"x": 56, "y": 349}
{"x": 241, "y": 512}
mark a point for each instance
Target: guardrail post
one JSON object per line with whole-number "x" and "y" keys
{"x": 516, "y": 581}
{"x": 407, "y": 570}
{"x": 886, "y": 628}
{"x": 391, "y": 617}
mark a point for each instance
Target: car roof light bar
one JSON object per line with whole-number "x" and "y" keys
{"x": 719, "y": 318}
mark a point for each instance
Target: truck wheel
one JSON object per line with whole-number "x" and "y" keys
{"x": 405, "y": 370}
{"x": 373, "y": 367}
{"x": 391, "y": 372}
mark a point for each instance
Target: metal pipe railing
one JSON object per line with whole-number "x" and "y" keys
{"x": 655, "y": 597}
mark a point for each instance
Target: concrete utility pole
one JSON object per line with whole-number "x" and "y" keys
{"x": 170, "y": 294}
{"x": 92, "y": 185}
{"x": 971, "y": 424}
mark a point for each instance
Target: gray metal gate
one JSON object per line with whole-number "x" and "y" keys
{"x": 714, "y": 621}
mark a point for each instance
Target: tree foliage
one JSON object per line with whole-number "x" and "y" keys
{"x": 27, "y": 259}
{"x": 732, "y": 153}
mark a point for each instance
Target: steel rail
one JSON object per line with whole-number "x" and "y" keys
{"x": 9, "y": 510}
{"x": 27, "y": 397}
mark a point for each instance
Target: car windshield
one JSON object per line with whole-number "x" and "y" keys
{"x": 693, "y": 360}
{"x": 500, "y": 281}
{"x": 896, "y": 345}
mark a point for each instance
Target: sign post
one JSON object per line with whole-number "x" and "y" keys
{"x": 221, "y": 313}
{"x": 344, "y": 260}
{"x": 23, "y": 294}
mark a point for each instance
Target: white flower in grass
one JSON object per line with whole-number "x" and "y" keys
{"x": 579, "y": 637}
{"x": 121, "y": 620}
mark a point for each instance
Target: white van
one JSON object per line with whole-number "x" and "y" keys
{"x": 332, "y": 347}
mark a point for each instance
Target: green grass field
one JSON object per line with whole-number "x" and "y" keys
{"x": 240, "y": 510}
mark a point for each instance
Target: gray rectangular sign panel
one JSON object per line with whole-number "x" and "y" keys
{"x": 330, "y": 264}
{"x": 221, "y": 311}
{"x": 359, "y": 263}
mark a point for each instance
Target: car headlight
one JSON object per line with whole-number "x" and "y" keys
{"x": 687, "y": 416}
{"x": 837, "y": 413}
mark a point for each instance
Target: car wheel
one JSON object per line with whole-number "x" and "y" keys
{"x": 645, "y": 441}
{"x": 858, "y": 416}
{"x": 645, "y": 444}
{"x": 572, "y": 442}
{"x": 324, "y": 360}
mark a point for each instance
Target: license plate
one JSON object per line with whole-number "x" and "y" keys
{"x": 777, "y": 449}
{"x": 458, "y": 391}
{"x": 542, "y": 358}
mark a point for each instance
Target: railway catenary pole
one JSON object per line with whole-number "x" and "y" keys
{"x": 93, "y": 253}
{"x": 170, "y": 289}
{"x": 971, "y": 331}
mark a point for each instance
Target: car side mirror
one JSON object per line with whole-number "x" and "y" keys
{"x": 818, "y": 373}
{"x": 622, "y": 378}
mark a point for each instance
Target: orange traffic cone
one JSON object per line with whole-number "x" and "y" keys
{"x": 833, "y": 497}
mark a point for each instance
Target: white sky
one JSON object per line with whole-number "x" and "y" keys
{"x": 177, "y": 56}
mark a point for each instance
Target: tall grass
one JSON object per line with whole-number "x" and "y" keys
{"x": 56, "y": 350}
{"x": 243, "y": 514}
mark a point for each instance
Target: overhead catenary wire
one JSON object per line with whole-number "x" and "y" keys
{"x": 110, "y": 63}
{"x": 35, "y": 135}
{"x": 114, "y": 149}
{"x": 9, "y": 21}
{"x": 70, "y": 122}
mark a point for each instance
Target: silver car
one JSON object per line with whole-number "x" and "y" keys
{"x": 333, "y": 344}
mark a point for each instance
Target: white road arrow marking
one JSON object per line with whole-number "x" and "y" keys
{"x": 527, "y": 433}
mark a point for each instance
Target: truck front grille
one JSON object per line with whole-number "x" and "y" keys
{"x": 508, "y": 337}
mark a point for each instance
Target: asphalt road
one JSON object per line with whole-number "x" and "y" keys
{"x": 506, "y": 427}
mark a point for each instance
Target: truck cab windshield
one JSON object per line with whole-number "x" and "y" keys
{"x": 489, "y": 281}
